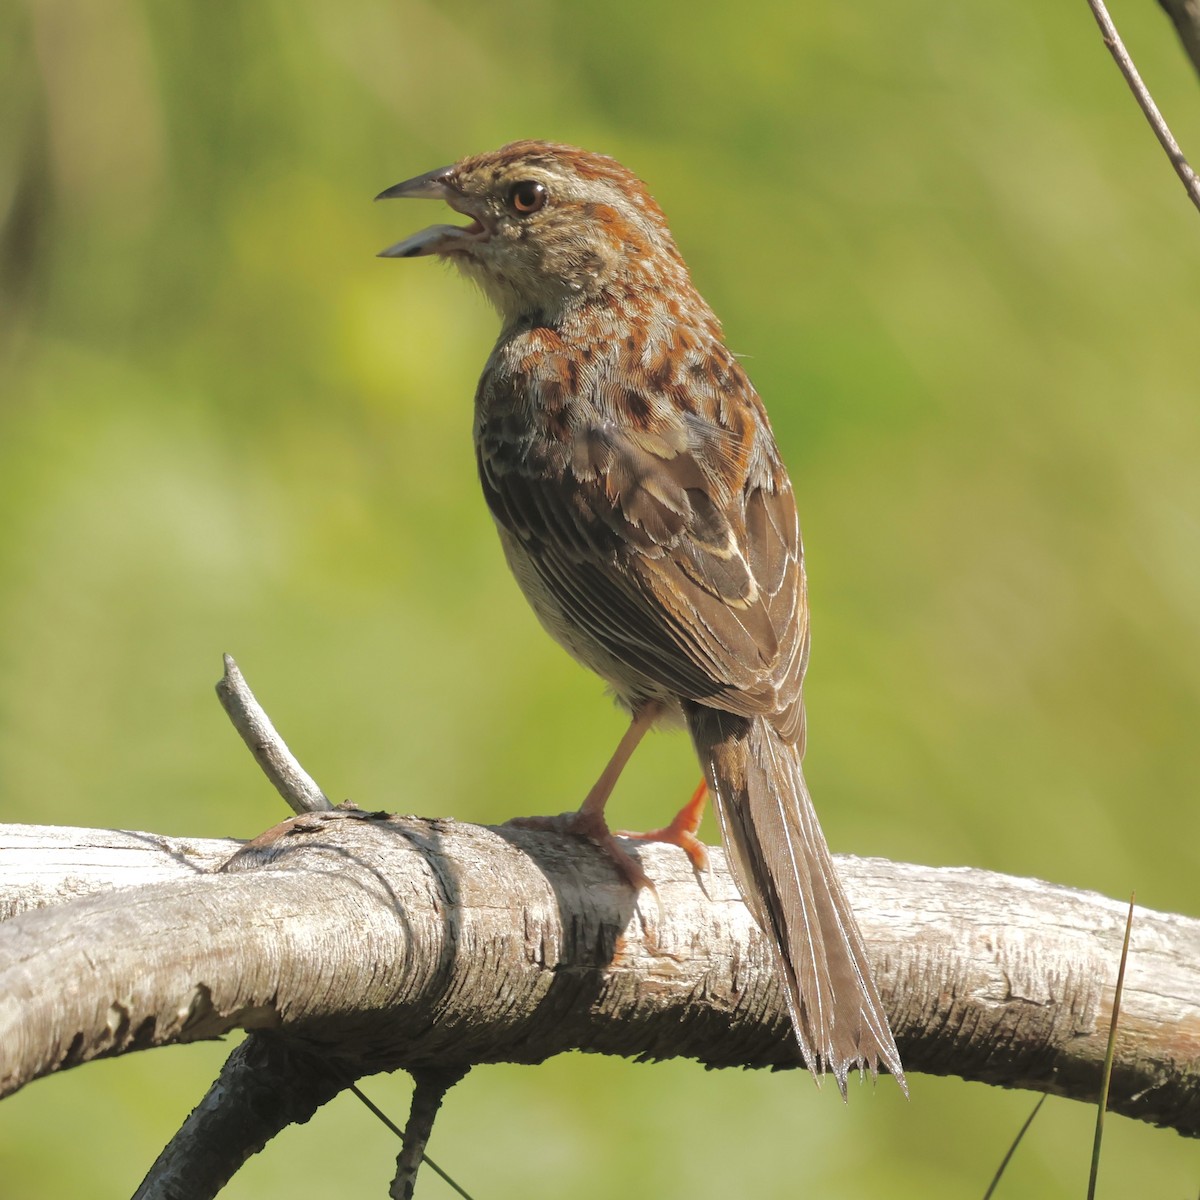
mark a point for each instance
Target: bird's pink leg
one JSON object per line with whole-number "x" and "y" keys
{"x": 682, "y": 830}
{"x": 588, "y": 820}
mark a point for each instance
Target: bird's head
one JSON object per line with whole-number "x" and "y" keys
{"x": 551, "y": 227}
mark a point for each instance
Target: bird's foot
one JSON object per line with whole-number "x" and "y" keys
{"x": 681, "y": 831}
{"x": 594, "y": 827}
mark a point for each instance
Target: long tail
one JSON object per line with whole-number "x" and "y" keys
{"x": 787, "y": 878}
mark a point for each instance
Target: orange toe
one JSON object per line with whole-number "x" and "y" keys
{"x": 681, "y": 831}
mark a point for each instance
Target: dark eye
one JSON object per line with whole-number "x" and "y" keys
{"x": 527, "y": 197}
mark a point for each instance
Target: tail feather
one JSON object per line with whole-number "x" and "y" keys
{"x": 787, "y": 878}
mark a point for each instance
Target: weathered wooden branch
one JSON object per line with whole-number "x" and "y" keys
{"x": 350, "y": 943}
{"x": 377, "y": 942}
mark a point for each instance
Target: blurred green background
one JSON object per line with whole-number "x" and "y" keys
{"x": 965, "y": 280}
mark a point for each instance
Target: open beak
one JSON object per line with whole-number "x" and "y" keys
{"x": 437, "y": 239}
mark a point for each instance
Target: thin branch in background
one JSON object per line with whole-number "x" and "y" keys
{"x": 1112, "y": 39}
{"x": 1109, "y": 1055}
{"x": 270, "y": 751}
{"x": 1013, "y": 1148}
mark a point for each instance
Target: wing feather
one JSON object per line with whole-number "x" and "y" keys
{"x": 674, "y": 550}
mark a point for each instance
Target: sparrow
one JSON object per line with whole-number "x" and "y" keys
{"x": 646, "y": 513}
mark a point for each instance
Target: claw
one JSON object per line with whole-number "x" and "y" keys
{"x": 592, "y": 826}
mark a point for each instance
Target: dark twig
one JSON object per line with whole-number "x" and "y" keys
{"x": 268, "y": 1082}
{"x": 270, "y": 751}
{"x": 1109, "y": 1055}
{"x": 1112, "y": 39}
{"x": 430, "y": 1091}
{"x": 387, "y": 1121}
